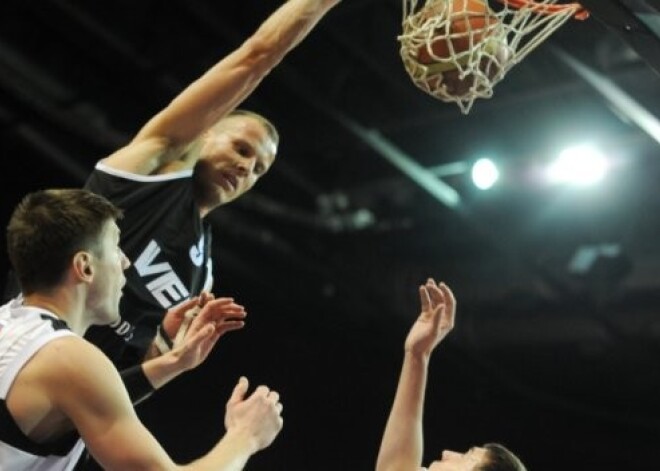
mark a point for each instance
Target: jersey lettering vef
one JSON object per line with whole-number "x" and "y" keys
{"x": 165, "y": 239}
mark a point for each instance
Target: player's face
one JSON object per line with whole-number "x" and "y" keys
{"x": 454, "y": 461}
{"x": 108, "y": 264}
{"x": 234, "y": 155}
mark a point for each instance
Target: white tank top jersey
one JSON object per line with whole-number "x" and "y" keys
{"x": 23, "y": 331}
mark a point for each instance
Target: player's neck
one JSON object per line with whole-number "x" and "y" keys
{"x": 62, "y": 307}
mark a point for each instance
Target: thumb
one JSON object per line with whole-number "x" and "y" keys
{"x": 239, "y": 390}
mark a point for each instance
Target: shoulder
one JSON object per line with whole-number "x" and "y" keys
{"x": 71, "y": 362}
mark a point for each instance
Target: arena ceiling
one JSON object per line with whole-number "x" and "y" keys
{"x": 558, "y": 287}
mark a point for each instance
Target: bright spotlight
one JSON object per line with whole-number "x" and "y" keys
{"x": 484, "y": 174}
{"x": 580, "y": 165}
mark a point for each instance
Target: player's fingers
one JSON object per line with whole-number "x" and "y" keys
{"x": 191, "y": 303}
{"x": 222, "y": 307}
{"x": 228, "y": 326}
{"x": 450, "y": 302}
{"x": 436, "y": 295}
{"x": 174, "y": 317}
{"x": 274, "y": 396}
{"x": 194, "y": 319}
{"x": 200, "y": 335}
{"x": 261, "y": 391}
{"x": 424, "y": 298}
{"x": 450, "y": 299}
{"x": 239, "y": 391}
{"x": 205, "y": 297}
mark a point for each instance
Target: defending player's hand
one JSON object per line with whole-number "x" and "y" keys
{"x": 436, "y": 320}
{"x": 259, "y": 417}
{"x": 176, "y": 316}
{"x": 214, "y": 319}
{"x": 226, "y": 314}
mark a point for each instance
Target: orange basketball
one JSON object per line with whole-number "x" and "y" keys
{"x": 468, "y": 22}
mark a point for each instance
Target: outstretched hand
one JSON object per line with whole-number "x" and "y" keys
{"x": 227, "y": 315}
{"x": 436, "y": 320}
{"x": 259, "y": 416}
{"x": 176, "y": 316}
{"x": 207, "y": 323}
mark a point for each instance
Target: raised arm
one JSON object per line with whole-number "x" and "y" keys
{"x": 89, "y": 392}
{"x": 216, "y": 93}
{"x": 401, "y": 448}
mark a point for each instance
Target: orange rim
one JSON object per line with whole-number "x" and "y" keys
{"x": 580, "y": 14}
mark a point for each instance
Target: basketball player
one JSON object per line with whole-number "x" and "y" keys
{"x": 401, "y": 448}
{"x": 193, "y": 156}
{"x": 59, "y": 393}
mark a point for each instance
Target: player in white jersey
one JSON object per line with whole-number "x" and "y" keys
{"x": 23, "y": 331}
{"x": 58, "y": 389}
{"x": 401, "y": 448}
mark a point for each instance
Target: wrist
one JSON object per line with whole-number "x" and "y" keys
{"x": 162, "y": 341}
{"x": 243, "y": 438}
{"x": 164, "y": 368}
{"x": 417, "y": 355}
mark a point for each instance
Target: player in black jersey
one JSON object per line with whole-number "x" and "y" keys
{"x": 195, "y": 155}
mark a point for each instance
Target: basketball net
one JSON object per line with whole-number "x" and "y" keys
{"x": 508, "y": 31}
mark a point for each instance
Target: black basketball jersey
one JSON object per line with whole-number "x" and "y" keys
{"x": 168, "y": 244}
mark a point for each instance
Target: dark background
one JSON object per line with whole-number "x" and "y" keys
{"x": 327, "y": 252}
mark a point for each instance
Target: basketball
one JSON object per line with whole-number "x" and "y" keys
{"x": 459, "y": 24}
{"x": 446, "y": 75}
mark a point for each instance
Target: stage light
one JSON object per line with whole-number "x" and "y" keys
{"x": 580, "y": 165}
{"x": 484, "y": 174}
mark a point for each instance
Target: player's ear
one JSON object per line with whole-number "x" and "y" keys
{"x": 82, "y": 266}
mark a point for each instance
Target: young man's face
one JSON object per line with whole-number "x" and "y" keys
{"x": 234, "y": 155}
{"x": 108, "y": 264}
{"x": 454, "y": 461}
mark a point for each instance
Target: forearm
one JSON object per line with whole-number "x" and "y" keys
{"x": 157, "y": 368}
{"x": 289, "y": 25}
{"x": 142, "y": 380}
{"x": 231, "y": 80}
{"x": 162, "y": 369}
{"x": 402, "y": 444}
{"x": 279, "y": 34}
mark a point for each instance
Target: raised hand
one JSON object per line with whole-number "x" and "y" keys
{"x": 436, "y": 320}
{"x": 175, "y": 316}
{"x": 203, "y": 326}
{"x": 226, "y": 314}
{"x": 259, "y": 416}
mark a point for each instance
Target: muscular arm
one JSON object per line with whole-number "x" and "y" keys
{"x": 82, "y": 385}
{"x": 216, "y": 93}
{"x": 402, "y": 445}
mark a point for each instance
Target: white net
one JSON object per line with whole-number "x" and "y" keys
{"x": 457, "y": 50}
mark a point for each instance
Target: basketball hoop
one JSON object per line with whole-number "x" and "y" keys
{"x": 458, "y": 50}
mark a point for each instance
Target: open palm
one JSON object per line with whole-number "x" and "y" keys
{"x": 436, "y": 320}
